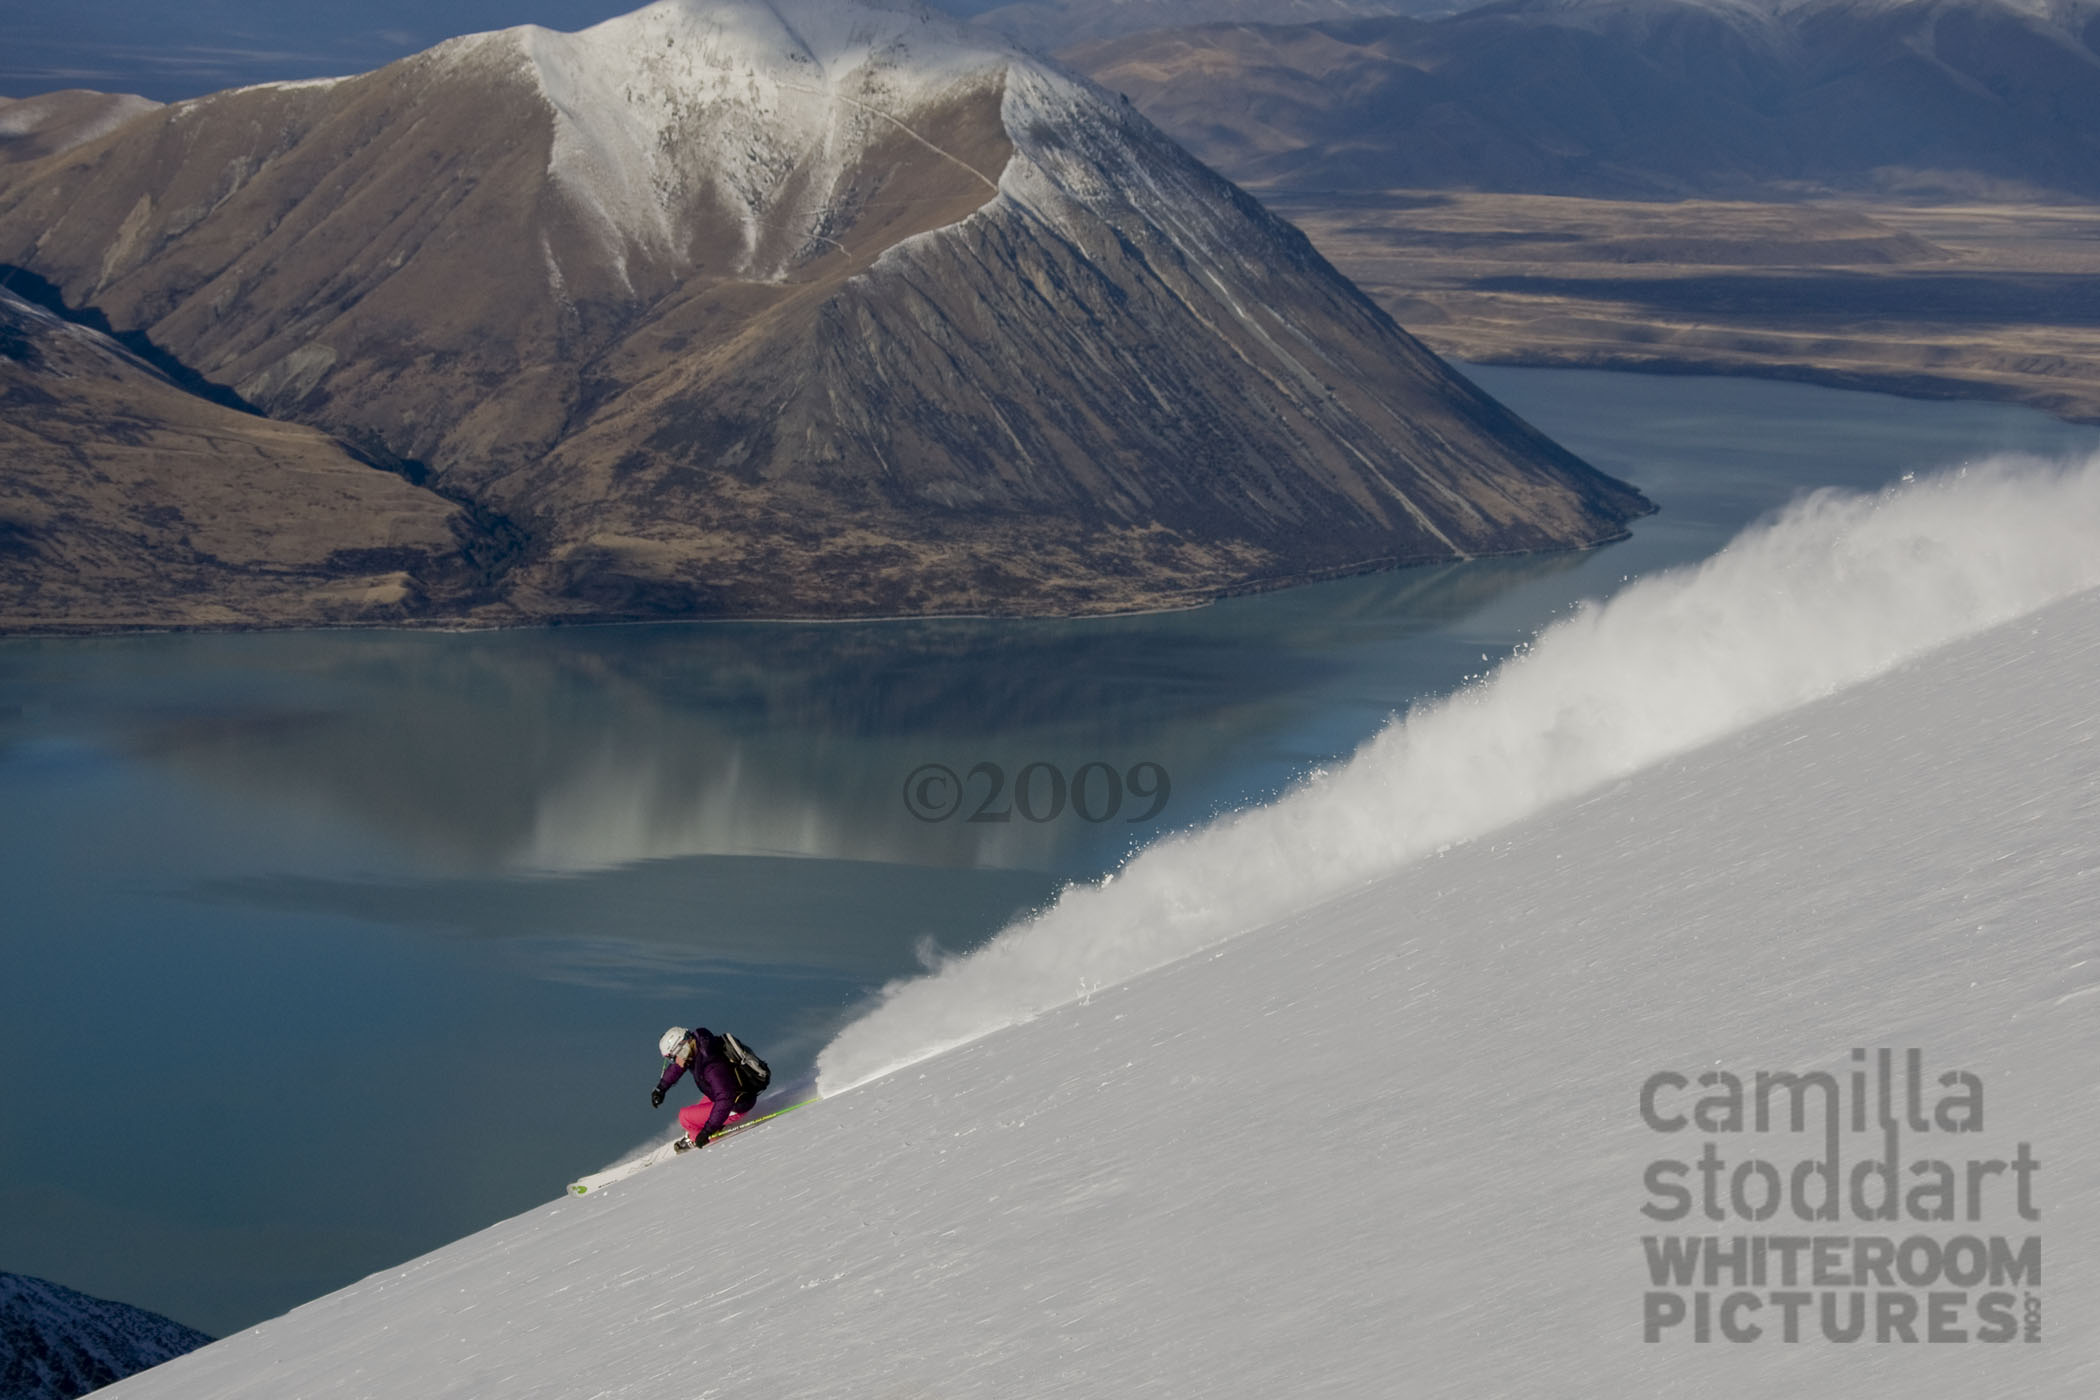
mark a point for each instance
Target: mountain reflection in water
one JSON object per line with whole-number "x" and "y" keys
{"x": 589, "y": 749}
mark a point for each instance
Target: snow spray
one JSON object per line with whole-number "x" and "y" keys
{"x": 1836, "y": 589}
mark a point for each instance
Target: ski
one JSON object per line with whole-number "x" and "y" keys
{"x": 583, "y": 1186}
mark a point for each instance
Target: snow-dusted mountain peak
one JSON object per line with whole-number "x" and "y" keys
{"x": 784, "y": 46}
{"x": 752, "y": 108}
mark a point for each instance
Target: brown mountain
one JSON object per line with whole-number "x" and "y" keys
{"x": 127, "y": 500}
{"x": 793, "y": 309}
{"x": 34, "y": 127}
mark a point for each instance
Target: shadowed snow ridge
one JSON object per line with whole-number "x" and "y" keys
{"x": 56, "y": 1343}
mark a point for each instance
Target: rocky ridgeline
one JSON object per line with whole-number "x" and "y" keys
{"x": 56, "y": 1343}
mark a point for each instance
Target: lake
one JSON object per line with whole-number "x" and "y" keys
{"x": 324, "y": 949}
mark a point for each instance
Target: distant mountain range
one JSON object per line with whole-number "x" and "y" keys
{"x": 1640, "y": 98}
{"x": 1050, "y": 24}
{"x": 56, "y": 1344}
{"x": 169, "y": 52}
{"x": 804, "y": 309}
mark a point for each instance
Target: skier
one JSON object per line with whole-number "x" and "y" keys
{"x": 714, "y": 1074}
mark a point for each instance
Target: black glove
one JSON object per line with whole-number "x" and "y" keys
{"x": 656, "y": 1098}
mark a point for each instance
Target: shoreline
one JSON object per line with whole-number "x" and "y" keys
{"x": 60, "y": 631}
{"x": 1927, "y": 389}
{"x": 1921, "y": 388}
{"x": 1914, "y": 387}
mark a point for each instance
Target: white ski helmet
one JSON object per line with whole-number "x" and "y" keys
{"x": 672, "y": 1039}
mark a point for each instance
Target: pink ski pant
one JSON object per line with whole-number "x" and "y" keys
{"x": 693, "y": 1117}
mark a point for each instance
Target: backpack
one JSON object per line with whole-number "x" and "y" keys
{"x": 752, "y": 1075}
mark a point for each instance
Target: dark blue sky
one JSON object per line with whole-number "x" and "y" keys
{"x": 170, "y": 51}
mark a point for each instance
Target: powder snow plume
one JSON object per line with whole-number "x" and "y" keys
{"x": 1836, "y": 589}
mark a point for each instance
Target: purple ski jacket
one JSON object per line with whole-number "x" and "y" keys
{"x": 712, "y": 1075}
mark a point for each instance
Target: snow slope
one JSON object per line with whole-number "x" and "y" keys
{"x": 1388, "y": 1142}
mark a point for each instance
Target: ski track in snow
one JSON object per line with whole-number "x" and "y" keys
{"x": 1838, "y": 589}
{"x": 1389, "y": 1144}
